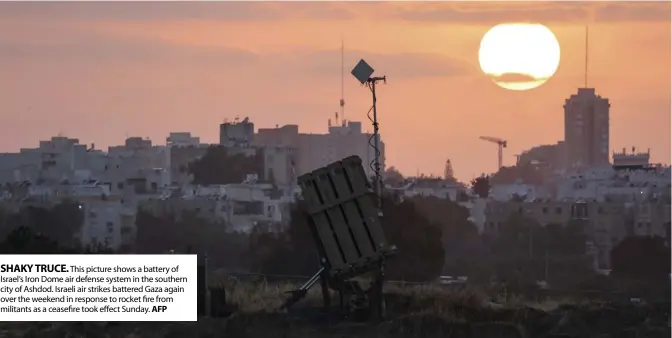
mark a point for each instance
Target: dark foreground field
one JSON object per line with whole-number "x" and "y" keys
{"x": 414, "y": 311}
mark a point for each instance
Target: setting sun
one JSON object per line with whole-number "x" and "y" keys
{"x": 519, "y": 56}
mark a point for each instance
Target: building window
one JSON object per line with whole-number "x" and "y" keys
{"x": 558, "y": 210}
{"x": 120, "y": 185}
{"x": 544, "y": 210}
{"x": 600, "y": 210}
{"x": 110, "y": 227}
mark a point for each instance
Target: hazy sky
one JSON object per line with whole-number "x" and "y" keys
{"x": 103, "y": 71}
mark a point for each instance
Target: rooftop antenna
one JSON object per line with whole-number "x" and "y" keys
{"x": 342, "y": 102}
{"x": 585, "y": 71}
{"x": 363, "y": 72}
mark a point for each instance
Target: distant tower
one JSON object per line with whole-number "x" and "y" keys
{"x": 448, "y": 171}
{"x": 586, "y": 125}
{"x": 586, "y": 129}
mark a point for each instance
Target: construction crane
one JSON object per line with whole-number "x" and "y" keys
{"x": 500, "y": 145}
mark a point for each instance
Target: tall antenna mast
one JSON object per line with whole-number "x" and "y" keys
{"x": 362, "y": 72}
{"x": 342, "y": 82}
{"x": 585, "y": 71}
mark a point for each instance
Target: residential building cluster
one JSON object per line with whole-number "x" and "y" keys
{"x": 111, "y": 186}
{"x": 611, "y": 199}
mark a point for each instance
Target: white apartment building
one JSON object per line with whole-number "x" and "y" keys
{"x": 527, "y": 192}
{"x": 426, "y": 187}
{"x": 239, "y": 207}
{"x": 53, "y": 161}
{"x": 608, "y": 184}
{"x": 236, "y": 133}
{"x": 318, "y": 150}
{"x": 182, "y": 139}
{"x": 106, "y": 219}
{"x": 141, "y": 152}
{"x": 18, "y": 167}
{"x": 280, "y": 163}
{"x": 57, "y": 161}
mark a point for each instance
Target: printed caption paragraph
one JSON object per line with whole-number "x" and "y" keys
{"x": 98, "y": 288}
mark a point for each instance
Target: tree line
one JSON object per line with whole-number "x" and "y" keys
{"x": 44, "y": 229}
{"x": 434, "y": 237}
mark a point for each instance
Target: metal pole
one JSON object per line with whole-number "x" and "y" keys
{"x": 376, "y": 140}
{"x": 378, "y": 184}
{"x": 377, "y": 292}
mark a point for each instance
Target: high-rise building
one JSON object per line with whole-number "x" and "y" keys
{"x": 586, "y": 129}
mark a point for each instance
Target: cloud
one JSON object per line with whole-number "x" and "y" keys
{"x": 447, "y": 12}
{"x": 544, "y": 12}
{"x": 171, "y": 11}
{"x": 470, "y": 13}
{"x": 516, "y": 77}
{"x": 634, "y": 11}
{"x": 91, "y": 48}
{"x": 393, "y": 65}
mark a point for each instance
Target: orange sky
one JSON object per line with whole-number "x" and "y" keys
{"x": 103, "y": 71}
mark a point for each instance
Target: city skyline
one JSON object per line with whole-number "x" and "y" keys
{"x": 102, "y": 71}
